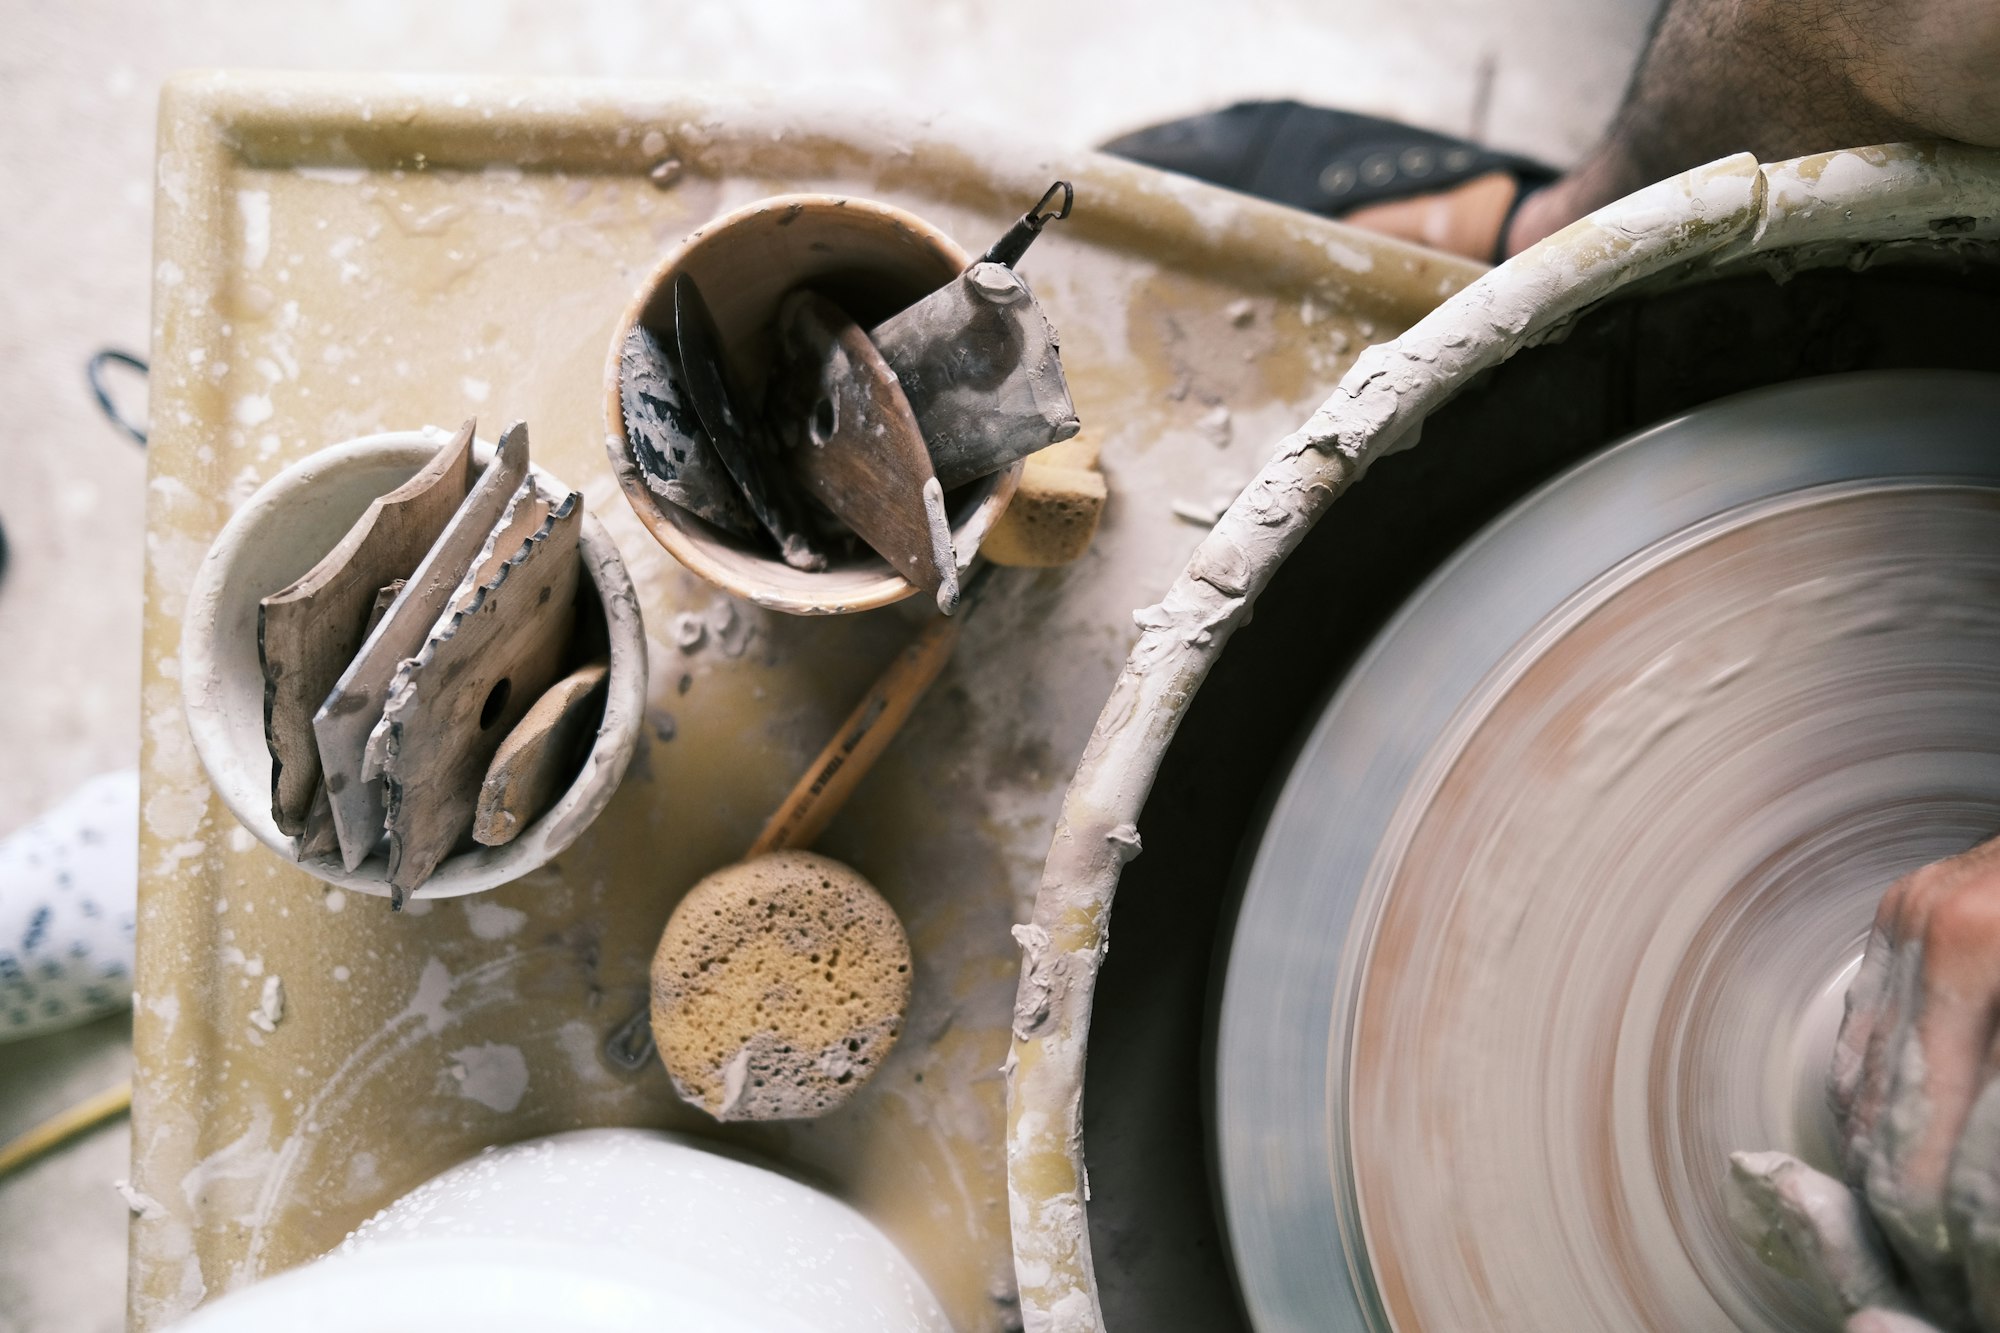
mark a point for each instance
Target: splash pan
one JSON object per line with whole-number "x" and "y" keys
{"x": 1618, "y": 790}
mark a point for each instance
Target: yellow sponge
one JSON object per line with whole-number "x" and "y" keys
{"x": 779, "y": 986}
{"x": 1054, "y": 514}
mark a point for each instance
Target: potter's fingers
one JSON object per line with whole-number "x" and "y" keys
{"x": 1904, "y": 913}
{"x": 1982, "y": 859}
{"x": 1889, "y": 911}
{"x": 1974, "y": 1198}
{"x": 1892, "y": 1024}
{"x": 1809, "y": 1226}
{"x": 1858, "y": 1018}
{"x": 1888, "y": 1321}
{"x": 1939, "y": 1069}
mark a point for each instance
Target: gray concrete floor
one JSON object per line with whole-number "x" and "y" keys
{"x": 77, "y": 89}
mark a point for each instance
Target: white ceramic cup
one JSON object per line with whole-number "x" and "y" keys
{"x": 279, "y": 534}
{"x": 599, "y": 1231}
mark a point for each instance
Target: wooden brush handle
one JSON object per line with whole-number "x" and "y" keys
{"x": 817, "y": 797}
{"x": 64, "y": 1126}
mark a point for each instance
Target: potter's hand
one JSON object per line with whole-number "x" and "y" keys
{"x": 1915, "y": 1088}
{"x": 1809, "y": 1226}
{"x": 1916, "y": 1084}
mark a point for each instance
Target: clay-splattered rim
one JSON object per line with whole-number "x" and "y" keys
{"x": 1832, "y": 208}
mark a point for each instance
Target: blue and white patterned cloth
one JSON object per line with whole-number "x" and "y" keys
{"x": 68, "y": 901}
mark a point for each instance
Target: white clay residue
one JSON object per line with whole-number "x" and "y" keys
{"x": 255, "y": 208}
{"x": 731, "y": 629}
{"x": 493, "y": 1075}
{"x": 143, "y": 1205}
{"x": 270, "y": 1010}
{"x": 433, "y": 989}
{"x": 493, "y": 921}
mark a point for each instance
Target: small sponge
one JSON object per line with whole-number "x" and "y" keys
{"x": 779, "y": 987}
{"x": 1054, "y": 514}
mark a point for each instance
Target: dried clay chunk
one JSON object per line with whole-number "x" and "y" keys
{"x": 779, "y": 987}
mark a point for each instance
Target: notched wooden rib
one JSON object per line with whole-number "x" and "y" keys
{"x": 452, "y": 705}
{"x": 527, "y": 512}
{"x": 352, "y": 708}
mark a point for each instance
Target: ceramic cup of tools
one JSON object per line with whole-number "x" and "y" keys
{"x": 869, "y": 259}
{"x": 286, "y": 530}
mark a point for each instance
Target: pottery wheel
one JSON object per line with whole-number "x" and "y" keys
{"x": 1558, "y": 904}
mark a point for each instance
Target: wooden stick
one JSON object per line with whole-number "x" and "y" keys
{"x": 60, "y": 1128}
{"x": 818, "y": 796}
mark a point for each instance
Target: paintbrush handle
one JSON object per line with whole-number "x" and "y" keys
{"x": 61, "y": 1128}
{"x": 817, "y": 797}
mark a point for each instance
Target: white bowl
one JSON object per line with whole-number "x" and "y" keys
{"x": 279, "y": 534}
{"x": 599, "y": 1231}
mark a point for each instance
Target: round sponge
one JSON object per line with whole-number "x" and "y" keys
{"x": 779, "y": 987}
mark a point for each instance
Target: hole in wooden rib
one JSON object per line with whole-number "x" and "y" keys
{"x": 496, "y": 703}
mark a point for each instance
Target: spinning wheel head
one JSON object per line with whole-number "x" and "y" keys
{"x": 1620, "y": 789}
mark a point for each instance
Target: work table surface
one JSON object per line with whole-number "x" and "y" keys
{"x": 341, "y": 256}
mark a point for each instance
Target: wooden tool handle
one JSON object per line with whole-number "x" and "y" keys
{"x": 831, "y": 779}
{"x": 64, "y": 1126}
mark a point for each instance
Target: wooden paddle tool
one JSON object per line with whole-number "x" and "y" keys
{"x": 539, "y": 756}
{"x": 856, "y": 445}
{"x": 320, "y": 837}
{"x": 833, "y": 775}
{"x": 490, "y": 658}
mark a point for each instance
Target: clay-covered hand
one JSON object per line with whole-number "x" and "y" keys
{"x": 1916, "y": 1083}
{"x": 1807, "y": 1225}
{"x": 1915, "y": 1089}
